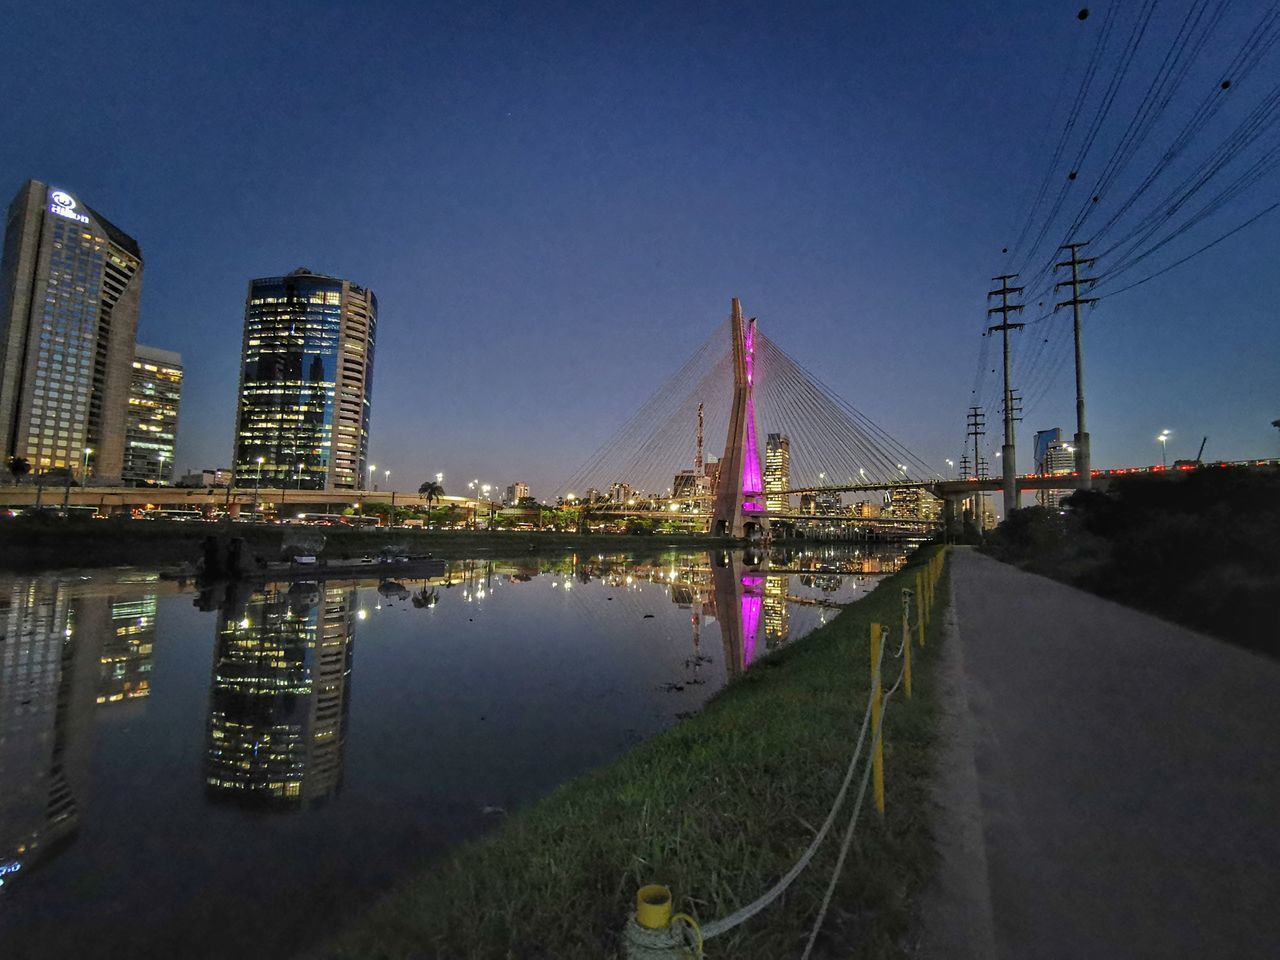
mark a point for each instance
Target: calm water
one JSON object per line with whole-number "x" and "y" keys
{"x": 225, "y": 773}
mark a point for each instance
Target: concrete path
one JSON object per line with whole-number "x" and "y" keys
{"x": 1110, "y": 783}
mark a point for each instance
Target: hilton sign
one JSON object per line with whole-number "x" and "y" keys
{"x": 64, "y": 205}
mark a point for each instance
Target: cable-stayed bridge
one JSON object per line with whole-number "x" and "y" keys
{"x": 742, "y": 386}
{"x": 787, "y": 437}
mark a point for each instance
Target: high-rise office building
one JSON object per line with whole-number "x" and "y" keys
{"x": 69, "y": 287}
{"x": 1059, "y": 460}
{"x": 306, "y": 381}
{"x": 913, "y": 503}
{"x": 777, "y": 472}
{"x": 155, "y": 392}
{"x": 515, "y": 492}
{"x": 686, "y": 484}
{"x": 1043, "y": 439}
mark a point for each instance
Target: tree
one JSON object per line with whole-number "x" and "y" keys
{"x": 432, "y": 491}
{"x": 19, "y": 467}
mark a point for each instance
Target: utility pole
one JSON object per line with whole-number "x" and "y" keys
{"x": 977, "y": 430}
{"x": 1084, "y": 464}
{"x": 1010, "y": 473}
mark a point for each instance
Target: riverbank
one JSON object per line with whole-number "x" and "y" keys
{"x": 718, "y": 808}
{"x": 39, "y": 543}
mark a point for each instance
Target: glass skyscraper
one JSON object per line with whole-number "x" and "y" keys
{"x": 306, "y": 378}
{"x": 154, "y": 395}
{"x": 69, "y": 287}
{"x": 777, "y": 472}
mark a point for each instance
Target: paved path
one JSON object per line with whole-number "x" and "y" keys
{"x": 1110, "y": 782}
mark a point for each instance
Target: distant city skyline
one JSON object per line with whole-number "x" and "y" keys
{"x": 555, "y": 208}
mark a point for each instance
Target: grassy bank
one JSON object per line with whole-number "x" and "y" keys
{"x": 717, "y": 807}
{"x": 37, "y": 543}
{"x": 1201, "y": 548}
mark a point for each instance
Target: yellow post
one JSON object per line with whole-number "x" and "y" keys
{"x": 877, "y": 704}
{"x": 906, "y": 642}
{"x": 920, "y": 606}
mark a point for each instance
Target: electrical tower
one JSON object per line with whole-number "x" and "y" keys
{"x": 1007, "y": 452}
{"x": 1084, "y": 463}
{"x": 977, "y": 430}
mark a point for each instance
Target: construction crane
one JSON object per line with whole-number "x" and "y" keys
{"x": 1192, "y": 463}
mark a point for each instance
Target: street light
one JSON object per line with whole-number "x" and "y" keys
{"x": 257, "y": 482}
{"x": 951, "y": 465}
{"x": 369, "y": 482}
{"x": 1164, "y": 446}
{"x": 159, "y": 473}
{"x": 84, "y": 466}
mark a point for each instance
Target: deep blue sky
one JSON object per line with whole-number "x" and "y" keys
{"x": 555, "y": 202}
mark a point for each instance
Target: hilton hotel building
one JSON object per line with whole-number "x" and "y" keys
{"x": 69, "y": 287}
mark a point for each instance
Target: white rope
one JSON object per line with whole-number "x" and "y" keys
{"x": 853, "y": 822}
{"x": 717, "y": 927}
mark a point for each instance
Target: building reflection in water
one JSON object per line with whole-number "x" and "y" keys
{"x": 127, "y": 649}
{"x": 777, "y": 611}
{"x": 49, "y": 677}
{"x": 279, "y": 702}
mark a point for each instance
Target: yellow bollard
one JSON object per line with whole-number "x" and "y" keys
{"x": 877, "y": 705}
{"x": 920, "y": 606}
{"x": 906, "y": 642}
{"x": 653, "y": 906}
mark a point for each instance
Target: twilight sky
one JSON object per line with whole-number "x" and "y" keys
{"x": 554, "y": 203}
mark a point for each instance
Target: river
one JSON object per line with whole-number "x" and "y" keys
{"x": 229, "y": 772}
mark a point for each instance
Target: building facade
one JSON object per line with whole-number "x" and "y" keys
{"x": 70, "y": 282}
{"x": 777, "y": 472}
{"x": 1059, "y": 460}
{"x": 151, "y": 430}
{"x": 306, "y": 383}
{"x": 515, "y": 492}
{"x": 913, "y": 503}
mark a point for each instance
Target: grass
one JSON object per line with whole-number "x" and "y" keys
{"x": 34, "y": 543}
{"x": 717, "y": 807}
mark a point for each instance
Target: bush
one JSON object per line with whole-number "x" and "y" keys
{"x": 1200, "y": 548}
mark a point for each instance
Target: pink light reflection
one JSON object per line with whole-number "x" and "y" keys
{"x": 752, "y": 476}
{"x": 752, "y": 602}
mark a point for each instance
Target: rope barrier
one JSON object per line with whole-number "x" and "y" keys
{"x": 644, "y": 942}
{"x": 718, "y": 927}
{"x": 848, "y": 834}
